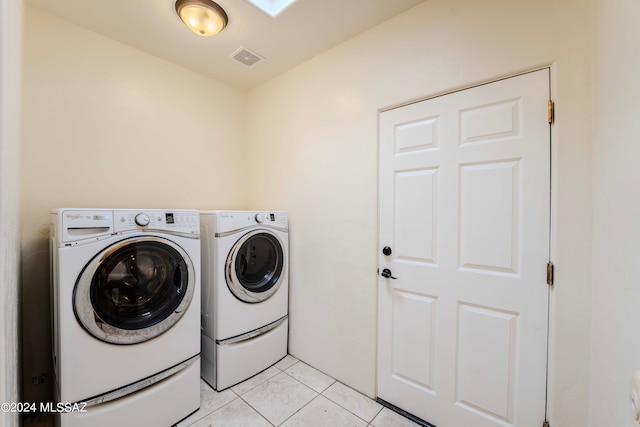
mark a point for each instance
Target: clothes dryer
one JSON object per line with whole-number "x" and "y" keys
{"x": 245, "y": 285}
{"x": 126, "y": 315}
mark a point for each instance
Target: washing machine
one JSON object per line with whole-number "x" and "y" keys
{"x": 126, "y": 316}
{"x": 245, "y": 293}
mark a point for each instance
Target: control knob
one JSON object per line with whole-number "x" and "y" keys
{"x": 142, "y": 220}
{"x": 259, "y": 218}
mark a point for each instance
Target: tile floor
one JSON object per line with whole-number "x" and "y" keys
{"x": 290, "y": 394}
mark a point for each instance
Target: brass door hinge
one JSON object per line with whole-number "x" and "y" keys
{"x": 550, "y": 271}
{"x": 545, "y": 424}
{"x": 550, "y": 112}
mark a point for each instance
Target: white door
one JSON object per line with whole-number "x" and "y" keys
{"x": 464, "y": 209}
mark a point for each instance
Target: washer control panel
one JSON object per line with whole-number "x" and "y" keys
{"x": 72, "y": 227}
{"x": 178, "y": 221}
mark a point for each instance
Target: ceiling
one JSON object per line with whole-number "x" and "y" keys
{"x": 301, "y": 31}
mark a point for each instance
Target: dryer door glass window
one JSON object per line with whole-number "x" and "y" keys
{"x": 134, "y": 290}
{"x": 257, "y": 265}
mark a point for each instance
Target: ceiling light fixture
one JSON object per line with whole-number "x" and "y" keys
{"x": 203, "y": 17}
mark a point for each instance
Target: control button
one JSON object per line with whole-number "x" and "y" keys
{"x": 142, "y": 220}
{"x": 259, "y": 218}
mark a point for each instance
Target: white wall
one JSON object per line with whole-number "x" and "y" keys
{"x": 312, "y": 150}
{"x": 10, "y": 53}
{"x": 615, "y": 344}
{"x": 106, "y": 125}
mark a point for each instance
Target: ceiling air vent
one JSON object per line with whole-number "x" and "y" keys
{"x": 246, "y": 57}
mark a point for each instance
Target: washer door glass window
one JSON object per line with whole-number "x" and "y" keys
{"x": 255, "y": 266}
{"x": 135, "y": 290}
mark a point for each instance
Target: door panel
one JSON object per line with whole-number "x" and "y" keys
{"x": 464, "y": 205}
{"x": 415, "y": 211}
{"x": 486, "y": 358}
{"x": 490, "y": 122}
{"x": 417, "y": 136}
{"x": 489, "y": 213}
{"x": 413, "y": 350}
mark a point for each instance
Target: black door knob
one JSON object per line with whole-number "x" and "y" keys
{"x": 386, "y": 250}
{"x": 386, "y": 273}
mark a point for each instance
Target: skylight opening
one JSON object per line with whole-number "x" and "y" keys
{"x": 271, "y": 7}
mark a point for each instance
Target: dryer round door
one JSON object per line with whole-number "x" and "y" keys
{"x": 256, "y": 266}
{"x": 134, "y": 290}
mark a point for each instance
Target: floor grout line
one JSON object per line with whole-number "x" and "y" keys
{"x": 255, "y": 409}
{"x": 300, "y": 409}
{"x": 348, "y": 410}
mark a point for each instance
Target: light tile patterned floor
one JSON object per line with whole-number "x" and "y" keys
{"x": 290, "y": 394}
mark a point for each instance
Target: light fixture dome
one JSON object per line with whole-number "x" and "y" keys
{"x": 203, "y": 17}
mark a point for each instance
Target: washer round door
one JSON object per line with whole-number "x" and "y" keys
{"x": 255, "y": 266}
{"x": 134, "y": 290}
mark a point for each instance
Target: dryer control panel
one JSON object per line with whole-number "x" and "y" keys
{"x": 235, "y": 220}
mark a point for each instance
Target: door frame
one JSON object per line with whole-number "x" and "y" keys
{"x": 553, "y": 220}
